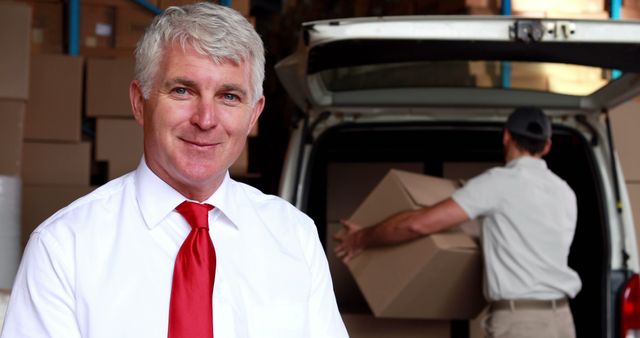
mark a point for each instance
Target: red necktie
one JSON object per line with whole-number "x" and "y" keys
{"x": 191, "y": 308}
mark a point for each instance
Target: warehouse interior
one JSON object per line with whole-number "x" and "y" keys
{"x": 65, "y": 119}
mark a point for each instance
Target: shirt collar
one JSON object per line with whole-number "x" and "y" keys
{"x": 226, "y": 200}
{"x": 527, "y": 161}
{"x": 157, "y": 199}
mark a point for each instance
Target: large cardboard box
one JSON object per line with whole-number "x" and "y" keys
{"x": 41, "y": 201}
{"x": 570, "y": 6}
{"x": 434, "y": 277}
{"x": 130, "y": 25}
{"x": 625, "y": 120}
{"x": 118, "y": 3}
{"x": 15, "y": 28}
{"x": 242, "y": 6}
{"x": 56, "y": 163}
{"x": 47, "y": 27}
{"x": 11, "y": 134}
{"x": 107, "y": 91}
{"x": 361, "y": 178}
{"x": 367, "y": 326}
{"x": 120, "y": 143}
{"x": 97, "y": 29}
{"x": 54, "y": 110}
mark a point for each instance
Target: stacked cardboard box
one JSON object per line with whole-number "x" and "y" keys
{"x": 56, "y": 162}
{"x": 111, "y": 28}
{"x": 559, "y": 78}
{"x": 630, "y": 10}
{"x": 47, "y": 27}
{"x": 582, "y": 9}
{"x": 15, "y": 24}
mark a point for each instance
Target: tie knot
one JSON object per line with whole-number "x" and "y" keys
{"x": 196, "y": 214}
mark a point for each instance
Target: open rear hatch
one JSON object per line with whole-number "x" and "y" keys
{"x": 459, "y": 61}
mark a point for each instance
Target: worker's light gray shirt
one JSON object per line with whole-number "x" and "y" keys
{"x": 529, "y": 223}
{"x": 102, "y": 267}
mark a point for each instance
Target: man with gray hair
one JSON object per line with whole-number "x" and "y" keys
{"x": 177, "y": 248}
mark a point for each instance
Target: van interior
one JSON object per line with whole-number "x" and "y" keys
{"x": 348, "y": 160}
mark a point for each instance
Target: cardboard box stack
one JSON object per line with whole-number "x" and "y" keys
{"x": 624, "y": 123}
{"x": 111, "y": 28}
{"x": 419, "y": 7}
{"x": 15, "y": 24}
{"x": 56, "y": 162}
{"x": 47, "y": 29}
{"x": 578, "y": 9}
{"x": 118, "y": 136}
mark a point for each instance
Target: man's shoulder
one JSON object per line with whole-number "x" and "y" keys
{"x": 268, "y": 205}
{"x": 98, "y": 203}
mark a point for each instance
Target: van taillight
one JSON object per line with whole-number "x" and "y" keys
{"x": 630, "y": 324}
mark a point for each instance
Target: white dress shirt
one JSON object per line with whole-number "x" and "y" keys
{"x": 102, "y": 266}
{"x": 530, "y": 219}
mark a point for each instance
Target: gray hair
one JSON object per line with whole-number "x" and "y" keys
{"x": 212, "y": 30}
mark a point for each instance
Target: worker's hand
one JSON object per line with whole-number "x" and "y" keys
{"x": 350, "y": 241}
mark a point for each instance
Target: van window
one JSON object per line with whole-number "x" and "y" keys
{"x": 539, "y": 76}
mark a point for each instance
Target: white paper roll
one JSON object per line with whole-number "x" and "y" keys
{"x": 10, "y": 191}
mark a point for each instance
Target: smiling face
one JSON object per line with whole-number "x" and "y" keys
{"x": 196, "y": 119}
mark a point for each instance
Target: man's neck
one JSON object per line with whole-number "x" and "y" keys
{"x": 514, "y": 153}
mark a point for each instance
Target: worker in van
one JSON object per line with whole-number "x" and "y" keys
{"x": 529, "y": 220}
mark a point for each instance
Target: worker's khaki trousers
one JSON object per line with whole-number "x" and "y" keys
{"x": 530, "y": 323}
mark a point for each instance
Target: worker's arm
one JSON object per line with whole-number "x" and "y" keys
{"x": 398, "y": 228}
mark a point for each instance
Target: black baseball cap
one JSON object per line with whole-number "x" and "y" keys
{"x": 529, "y": 122}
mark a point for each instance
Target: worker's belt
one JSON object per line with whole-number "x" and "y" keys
{"x": 528, "y": 304}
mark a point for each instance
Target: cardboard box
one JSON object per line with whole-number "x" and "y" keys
{"x": 625, "y": 120}
{"x": 572, "y": 87}
{"x": 434, "y": 277}
{"x": 130, "y": 25}
{"x": 56, "y": 163}
{"x": 107, "y": 91}
{"x": 39, "y": 202}
{"x": 459, "y": 6}
{"x": 54, "y": 110}
{"x": 118, "y": 3}
{"x": 97, "y": 29}
{"x": 120, "y": 143}
{"x": 15, "y": 30}
{"x": 367, "y": 326}
{"x": 630, "y": 13}
{"x": 11, "y": 135}
{"x": 361, "y": 178}
{"x": 47, "y": 27}
{"x": 570, "y": 6}
{"x": 242, "y": 6}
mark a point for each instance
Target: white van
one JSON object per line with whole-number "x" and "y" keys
{"x": 428, "y": 94}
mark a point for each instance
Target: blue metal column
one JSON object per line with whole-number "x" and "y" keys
{"x": 614, "y": 14}
{"x": 74, "y": 27}
{"x": 505, "y": 9}
{"x": 155, "y": 10}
